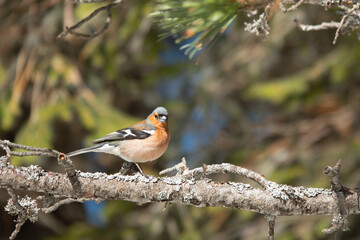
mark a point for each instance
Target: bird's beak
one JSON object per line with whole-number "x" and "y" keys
{"x": 163, "y": 118}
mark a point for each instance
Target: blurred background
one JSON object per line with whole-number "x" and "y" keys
{"x": 285, "y": 107}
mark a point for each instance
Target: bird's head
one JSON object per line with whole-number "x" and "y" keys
{"x": 158, "y": 116}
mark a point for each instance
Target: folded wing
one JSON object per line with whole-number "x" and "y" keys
{"x": 140, "y": 131}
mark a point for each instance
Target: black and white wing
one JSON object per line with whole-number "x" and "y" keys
{"x": 140, "y": 131}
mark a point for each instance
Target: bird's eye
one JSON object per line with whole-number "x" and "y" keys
{"x": 156, "y": 116}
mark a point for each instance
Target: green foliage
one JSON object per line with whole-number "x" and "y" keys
{"x": 2, "y": 75}
{"x": 288, "y": 175}
{"x": 295, "y": 86}
{"x": 81, "y": 231}
{"x": 202, "y": 20}
{"x": 279, "y": 90}
{"x": 6, "y": 115}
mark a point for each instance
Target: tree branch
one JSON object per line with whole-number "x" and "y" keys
{"x": 271, "y": 232}
{"x": 189, "y": 187}
{"x": 107, "y": 8}
{"x": 194, "y": 192}
{"x": 292, "y": 8}
{"x": 340, "y": 219}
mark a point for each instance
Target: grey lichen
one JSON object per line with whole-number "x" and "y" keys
{"x": 260, "y": 26}
{"x": 173, "y": 180}
{"x": 187, "y": 198}
{"x": 313, "y": 192}
{"x": 29, "y": 208}
{"x": 34, "y": 172}
{"x": 191, "y": 181}
{"x": 119, "y": 177}
{"x": 240, "y": 186}
{"x": 278, "y": 191}
{"x": 163, "y": 196}
{"x": 285, "y": 192}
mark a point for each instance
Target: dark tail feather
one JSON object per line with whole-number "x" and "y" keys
{"x": 85, "y": 150}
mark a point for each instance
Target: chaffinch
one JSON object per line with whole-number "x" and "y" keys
{"x": 142, "y": 142}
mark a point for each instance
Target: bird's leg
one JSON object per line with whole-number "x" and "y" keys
{"x": 140, "y": 170}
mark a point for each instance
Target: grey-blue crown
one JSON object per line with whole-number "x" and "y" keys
{"x": 161, "y": 111}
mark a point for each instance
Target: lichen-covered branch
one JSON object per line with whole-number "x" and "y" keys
{"x": 340, "y": 219}
{"x": 349, "y": 22}
{"x": 283, "y": 201}
{"x": 189, "y": 187}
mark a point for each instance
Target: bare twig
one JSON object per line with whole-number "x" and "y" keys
{"x": 31, "y": 151}
{"x": 226, "y": 168}
{"x": 322, "y": 26}
{"x": 34, "y": 151}
{"x": 5, "y": 159}
{"x": 340, "y": 220}
{"x": 107, "y": 8}
{"x": 350, "y": 21}
{"x": 61, "y": 202}
{"x": 271, "y": 232}
{"x": 18, "y": 226}
{"x": 292, "y": 8}
{"x": 179, "y": 168}
{"x": 346, "y": 17}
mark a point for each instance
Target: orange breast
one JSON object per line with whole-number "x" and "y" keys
{"x": 145, "y": 150}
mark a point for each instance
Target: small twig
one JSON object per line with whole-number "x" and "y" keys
{"x": 34, "y": 151}
{"x": 339, "y": 221}
{"x": 179, "y": 168}
{"x": 107, "y": 8}
{"x": 333, "y": 174}
{"x": 5, "y": 159}
{"x": 342, "y": 22}
{"x": 271, "y": 232}
{"x": 27, "y": 154}
{"x": 350, "y": 20}
{"x": 18, "y": 226}
{"x": 292, "y": 8}
{"x": 31, "y": 151}
{"x": 65, "y": 161}
{"x": 225, "y": 168}
{"x": 28, "y": 148}
{"x": 66, "y": 201}
{"x": 322, "y": 26}
{"x": 21, "y": 219}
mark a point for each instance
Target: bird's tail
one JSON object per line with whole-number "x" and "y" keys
{"x": 85, "y": 150}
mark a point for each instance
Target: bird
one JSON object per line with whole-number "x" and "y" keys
{"x": 142, "y": 142}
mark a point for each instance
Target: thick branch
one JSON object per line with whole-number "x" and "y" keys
{"x": 200, "y": 193}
